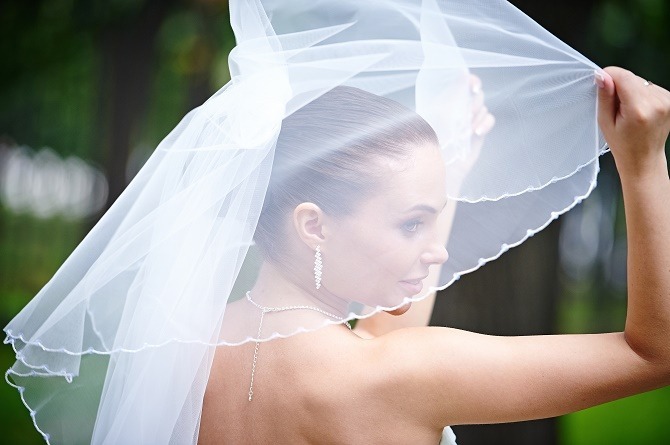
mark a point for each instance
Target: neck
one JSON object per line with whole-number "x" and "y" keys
{"x": 274, "y": 289}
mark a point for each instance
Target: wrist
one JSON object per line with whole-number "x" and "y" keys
{"x": 652, "y": 168}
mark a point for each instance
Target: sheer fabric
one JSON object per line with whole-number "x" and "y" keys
{"x": 117, "y": 346}
{"x": 448, "y": 437}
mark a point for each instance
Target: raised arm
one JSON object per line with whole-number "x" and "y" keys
{"x": 636, "y": 122}
{"x": 447, "y": 376}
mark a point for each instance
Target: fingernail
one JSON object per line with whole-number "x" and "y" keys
{"x": 476, "y": 89}
{"x": 599, "y": 79}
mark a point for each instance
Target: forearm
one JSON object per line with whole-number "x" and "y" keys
{"x": 647, "y": 204}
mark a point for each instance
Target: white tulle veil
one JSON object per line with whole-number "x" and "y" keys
{"x": 117, "y": 346}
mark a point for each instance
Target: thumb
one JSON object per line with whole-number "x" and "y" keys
{"x": 608, "y": 103}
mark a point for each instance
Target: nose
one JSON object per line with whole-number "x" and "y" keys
{"x": 437, "y": 254}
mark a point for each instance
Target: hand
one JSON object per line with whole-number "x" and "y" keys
{"x": 482, "y": 120}
{"x": 635, "y": 119}
{"x": 482, "y": 123}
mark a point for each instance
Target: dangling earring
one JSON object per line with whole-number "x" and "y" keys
{"x": 318, "y": 265}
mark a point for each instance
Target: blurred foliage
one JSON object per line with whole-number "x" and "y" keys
{"x": 40, "y": 246}
{"x": 632, "y": 34}
{"x": 53, "y": 91}
{"x": 48, "y": 79}
{"x": 639, "y": 420}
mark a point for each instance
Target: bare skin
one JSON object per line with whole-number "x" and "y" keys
{"x": 404, "y": 385}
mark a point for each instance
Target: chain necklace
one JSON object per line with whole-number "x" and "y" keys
{"x": 265, "y": 309}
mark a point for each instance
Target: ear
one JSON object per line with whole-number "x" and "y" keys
{"x": 308, "y": 221}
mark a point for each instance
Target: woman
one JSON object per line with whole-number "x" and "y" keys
{"x": 331, "y": 385}
{"x": 310, "y": 191}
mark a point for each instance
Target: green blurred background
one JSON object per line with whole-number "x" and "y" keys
{"x": 89, "y": 88}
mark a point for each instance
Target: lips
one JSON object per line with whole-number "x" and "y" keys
{"x": 416, "y": 281}
{"x": 413, "y": 287}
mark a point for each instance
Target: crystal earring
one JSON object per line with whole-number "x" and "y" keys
{"x": 318, "y": 265}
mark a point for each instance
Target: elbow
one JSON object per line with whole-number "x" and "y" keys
{"x": 656, "y": 359}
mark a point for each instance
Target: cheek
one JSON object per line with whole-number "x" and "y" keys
{"x": 368, "y": 265}
{"x": 353, "y": 262}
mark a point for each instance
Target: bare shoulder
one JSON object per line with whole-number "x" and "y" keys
{"x": 356, "y": 383}
{"x": 403, "y": 369}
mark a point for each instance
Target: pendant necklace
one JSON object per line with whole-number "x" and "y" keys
{"x": 264, "y": 310}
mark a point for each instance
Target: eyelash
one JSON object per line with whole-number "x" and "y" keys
{"x": 412, "y": 226}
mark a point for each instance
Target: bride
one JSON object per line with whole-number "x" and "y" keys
{"x": 214, "y": 302}
{"x": 338, "y": 385}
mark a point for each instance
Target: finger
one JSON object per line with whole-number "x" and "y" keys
{"x": 636, "y": 98}
{"x": 486, "y": 126}
{"x": 629, "y": 87}
{"x": 477, "y": 102}
{"x": 607, "y": 99}
{"x": 475, "y": 84}
{"x": 479, "y": 117}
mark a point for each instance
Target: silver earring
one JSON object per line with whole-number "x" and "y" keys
{"x": 318, "y": 266}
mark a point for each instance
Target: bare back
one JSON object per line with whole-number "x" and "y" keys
{"x": 309, "y": 388}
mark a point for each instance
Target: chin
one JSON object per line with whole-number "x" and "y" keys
{"x": 401, "y": 310}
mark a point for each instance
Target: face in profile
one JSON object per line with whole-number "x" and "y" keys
{"x": 381, "y": 253}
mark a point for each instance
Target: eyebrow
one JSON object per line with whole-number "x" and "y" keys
{"x": 427, "y": 208}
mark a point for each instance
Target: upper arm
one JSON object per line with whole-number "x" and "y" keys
{"x": 448, "y": 376}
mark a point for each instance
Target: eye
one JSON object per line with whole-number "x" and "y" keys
{"x": 412, "y": 226}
